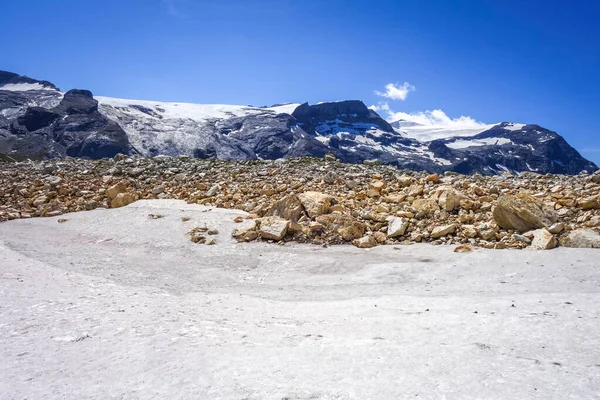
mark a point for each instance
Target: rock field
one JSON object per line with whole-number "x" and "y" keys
{"x": 323, "y": 201}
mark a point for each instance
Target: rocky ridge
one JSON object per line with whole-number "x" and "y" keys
{"x": 38, "y": 121}
{"x": 324, "y": 201}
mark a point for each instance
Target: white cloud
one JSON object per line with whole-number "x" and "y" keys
{"x": 396, "y": 91}
{"x": 436, "y": 118}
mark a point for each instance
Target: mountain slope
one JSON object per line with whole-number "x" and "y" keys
{"x": 38, "y": 120}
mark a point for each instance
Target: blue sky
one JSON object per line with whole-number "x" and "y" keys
{"x": 531, "y": 61}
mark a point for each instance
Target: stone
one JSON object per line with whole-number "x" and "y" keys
{"x": 448, "y": 199}
{"x": 428, "y": 206}
{"x": 589, "y": 203}
{"x": 543, "y": 240}
{"x": 380, "y": 237}
{"x": 114, "y": 190}
{"x": 372, "y": 162}
{"x": 469, "y": 231}
{"x": 463, "y": 248}
{"x": 315, "y": 203}
{"x": 273, "y": 228}
{"x": 346, "y": 226}
{"x": 158, "y": 189}
{"x": 365, "y": 242}
{"x": 289, "y": 207}
{"x": 581, "y": 238}
{"x": 38, "y": 201}
{"x": 440, "y": 231}
{"x": 214, "y": 189}
{"x": 377, "y": 185}
{"x": 521, "y": 238}
{"x": 397, "y": 226}
{"x": 394, "y": 198}
{"x": 122, "y": 199}
{"x": 245, "y": 234}
{"x": 432, "y": 178}
{"x": 330, "y": 178}
{"x": 521, "y": 213}
{"x": 556, "y": 228}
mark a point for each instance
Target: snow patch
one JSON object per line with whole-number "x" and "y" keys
{"x": 492, "y": 141}
{"x": 24, "y": 87}
{"x": 513, "y": 127}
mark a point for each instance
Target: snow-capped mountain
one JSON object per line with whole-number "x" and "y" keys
{"x": 37, "y": 120}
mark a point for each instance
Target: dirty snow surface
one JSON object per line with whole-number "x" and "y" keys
{"x": 113, "y": 304}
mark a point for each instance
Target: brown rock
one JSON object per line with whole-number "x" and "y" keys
{"x": 589, "y": 203}
{"x": 315, "y": 203}
{"x": 440, "y": 231}
{"x": 543, "y": 240}
{"x": 273, "y": 228}
{"x": 114, "y": 190}
{"x": 463, "y": 248}
{"x": 522, "y": 213}
{"x": 289, "y": 207}
{"x": 122, "y": 199}
{"x": 365, "y": 242}
{"x": 426, "y": 205}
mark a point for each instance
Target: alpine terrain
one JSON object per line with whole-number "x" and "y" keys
{"x": 39, "y": 121}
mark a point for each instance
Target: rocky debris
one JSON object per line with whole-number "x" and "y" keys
{"x": 273, "y": 228}
{"x": 347, "y": 227}
{"x": 196, "y": 235}
{"x": 521, "y": 212}
{"x": 246, "y": 234}
{"x": 581, "y": 238}
{"x": 380, "y": 203}
{"x": 543, "y": 240}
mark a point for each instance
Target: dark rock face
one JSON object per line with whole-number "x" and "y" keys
{"x": 343, "y": 116}
{"x": 12, "y": 78}
{"x": 530, "y": 148}
{"x": 73, "y": 128}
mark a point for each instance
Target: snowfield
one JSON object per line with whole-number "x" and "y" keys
{"x": 113, "y": 304}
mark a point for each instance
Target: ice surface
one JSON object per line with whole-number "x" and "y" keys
{"x": 114, "y": 304}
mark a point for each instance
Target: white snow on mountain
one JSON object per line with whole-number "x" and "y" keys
{"x": 432, "y": 132}
{"x": 464, "y": 143}
{"x": 196, "y": 112}
{"x": 24, "y": 87}
{"x": 514, "y": 127}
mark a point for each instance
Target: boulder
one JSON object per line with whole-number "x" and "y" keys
{"x": 273, "y": 228}
{"x": 114, "y": 190}
{"x": 122, "y": 199}
{"x": 521, "y": 213}
{"x": 397, "y": 226}
{"x": 543, "y": 240}
{"x": 289, "y": 207}
{"x": 581, "y": 238}
{"x": 347, "y": 227}
{"x": 315, "y": 203}
{"x": 463, "y": 248}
